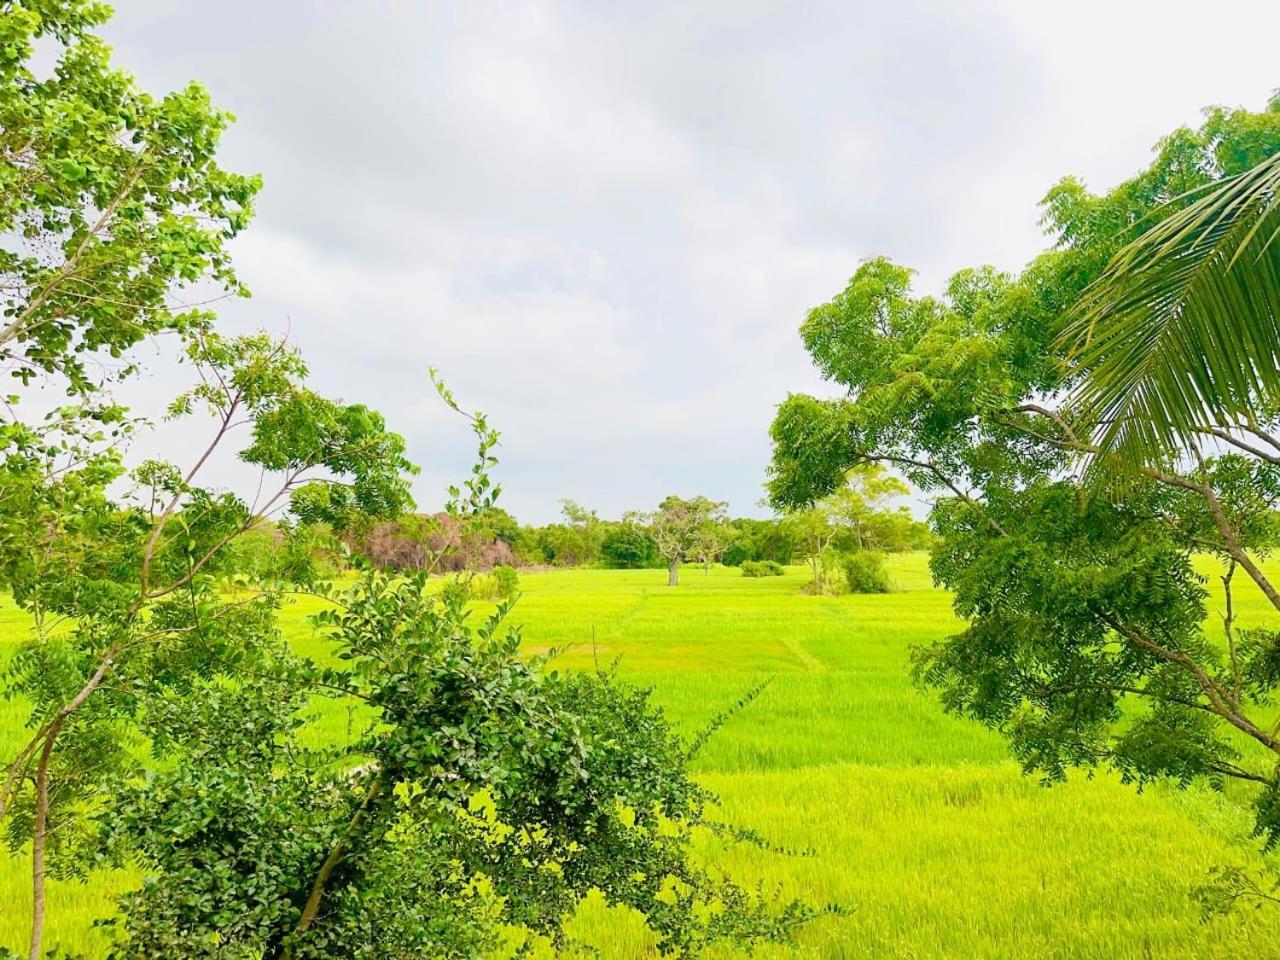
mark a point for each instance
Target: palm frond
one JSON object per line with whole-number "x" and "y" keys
{"x": 1182, "y": 331}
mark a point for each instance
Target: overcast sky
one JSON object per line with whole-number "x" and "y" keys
{"x": 604, "y": 222}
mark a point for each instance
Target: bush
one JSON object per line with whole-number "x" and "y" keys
{"x": 498, "y": 584}
{"x": 457, "y": 590}
{"x": 761, "y": 568}
{"x": 506, "y": 580}
{"x": 864, "y": 572}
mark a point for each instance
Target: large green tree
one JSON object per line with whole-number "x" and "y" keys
{"x": 1085, "y": 639}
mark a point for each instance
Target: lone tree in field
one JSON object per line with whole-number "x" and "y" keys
{"x": 1088, "y": 428}
{"x": 680, "y": 529}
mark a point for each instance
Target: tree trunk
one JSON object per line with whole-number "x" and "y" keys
{"x": 673, "y": 573}
{"x": 38, "y": 840}
{"x": 335, "y": 857}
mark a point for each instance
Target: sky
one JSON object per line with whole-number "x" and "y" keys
{"x": 604, "y": 222}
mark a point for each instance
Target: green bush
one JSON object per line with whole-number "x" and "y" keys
{"x": 864, "y": 572}
{"x": 761, "y": 568}
{"x": 457, "y": 590}
{"x": 506, "y": 580}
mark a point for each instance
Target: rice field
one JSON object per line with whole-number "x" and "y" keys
{"x": 917, "y": 824}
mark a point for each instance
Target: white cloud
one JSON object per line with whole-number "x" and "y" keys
{"x": 604, "y": 223}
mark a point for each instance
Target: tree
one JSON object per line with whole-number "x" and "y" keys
{"x": 489, "y": 799}
{"x": 1180, "y": 337}
{"x": 710, "y": 542}
{"x": 677, "y": 526}
{"x": 137, "y": 579}
{"x": 858, "y": 507}
{"x": 112, "y": 201}
{"x": 752, "y": 539}
{"x": 628, "y": 547}
{"x": 850, "y": 511}
{"x": 1084, "y": 641}
{"x": 814, "y": 532}
{"x": 575, "y": 542}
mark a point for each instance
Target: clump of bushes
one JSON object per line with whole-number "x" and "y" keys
{"x": 498, "y": 584}
{"x": 864, "y": 572}
{"x": 506, "y": 581}
{"x": 761, "y": 568}
{"x": 457, "y": 590}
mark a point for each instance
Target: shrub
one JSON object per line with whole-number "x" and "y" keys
{"x": 761, "y": 568}
{"x": 506, "y": 580}
{"x": 498, "y": 584}
{"x": 457, "y": 590}
{"x": 864, "y": 572}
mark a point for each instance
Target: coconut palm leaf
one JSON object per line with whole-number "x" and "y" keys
{"x": 1182, "y": 331}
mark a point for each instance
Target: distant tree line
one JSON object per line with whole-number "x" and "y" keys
{"x": 695, "y": 531}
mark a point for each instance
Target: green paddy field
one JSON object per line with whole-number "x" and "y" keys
{"x": 918, "y": 824}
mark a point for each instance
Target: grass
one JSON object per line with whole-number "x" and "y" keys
{"x": 917, "y": 823}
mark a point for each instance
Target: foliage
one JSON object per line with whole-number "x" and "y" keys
{"x": 1160, "y": 334}
{"x": 858, "y": 505}
{"x": 628, "y": 547}
{"x": 1084, "y": 641}
{"x": 436, "y": 541}
{"x": 461, "y": 811}
{"x": 761, "y": 568}
{"x": 163, "y": 710}
{"x": 500, "y": 583}
{"x": 507, "y": 580}
{"x": 456, "y": 590}
{"x": 288, "y": 553}
{"x": 496, "y": 523}
{"x": 111, "y": 200}
{"x": 576, "y": 542}
{"x": 864, "y": 572}
{"x": 751, "y": 539}
{"x": 853, "y": 517}
{"x": 814, "y": 532}
{"x": 135, "y": 582}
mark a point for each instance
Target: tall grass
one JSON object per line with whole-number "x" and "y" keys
{"x": 917, "y": 823}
